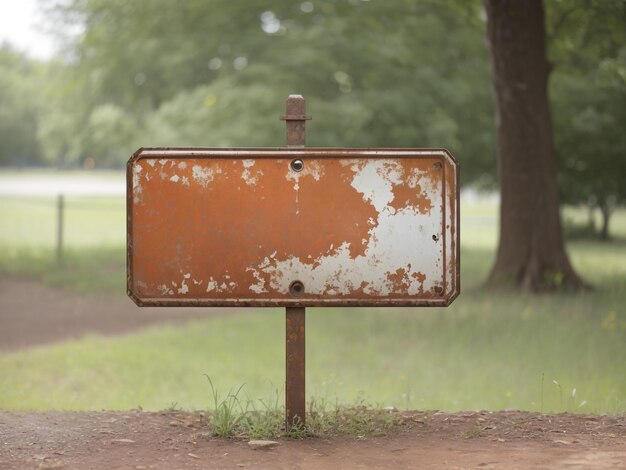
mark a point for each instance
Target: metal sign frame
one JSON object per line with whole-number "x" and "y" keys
{"x": 450, "y": 237}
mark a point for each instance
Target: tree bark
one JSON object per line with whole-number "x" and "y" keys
{"x": 531, "y": 253}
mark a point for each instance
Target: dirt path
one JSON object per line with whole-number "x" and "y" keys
{"x": 141, "y": 440}
{"x": 32, "y": 314}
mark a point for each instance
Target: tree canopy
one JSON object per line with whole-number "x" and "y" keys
{"x": 411, "y": 73}
{"x": 588, "y": 50}
{"x": 201, "y": 72}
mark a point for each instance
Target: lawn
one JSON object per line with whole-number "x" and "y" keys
{"x": 562, "y": 352}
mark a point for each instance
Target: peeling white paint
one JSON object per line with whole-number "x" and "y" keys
{"x": 164, "y": 290}
{"x": 175, "y": 178}
{"x": 182, "y": 165}
{"x": 311, "y": 168}
{"x": 214, "y": 286}
{"x": 375, "y": 180}
{"x": 259, "y": 286}
{"x": 184, "y": 288}
{"x": 247, "y": 174}
{"x": 417, "y": 176}
{"x": 137, "y": 189}
{"x": 339, "y": 272}
{"x": 211, "y": 285}
{"x": 203, "y": 175}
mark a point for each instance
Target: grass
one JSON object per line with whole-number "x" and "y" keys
{"x": 234, "y": 416}
{"x": 86, "y": 271}
{"x": 475, "y": 432}
{"x": 88, "y": 222}
{"x": 487, "y": 351}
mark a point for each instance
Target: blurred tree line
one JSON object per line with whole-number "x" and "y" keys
{"x": 215, "y": 73}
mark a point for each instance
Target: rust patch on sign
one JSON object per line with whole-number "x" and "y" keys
{"x": 405, "y": 196}
{"x": 226, "y": 227}
{"x": 400, "y": 279}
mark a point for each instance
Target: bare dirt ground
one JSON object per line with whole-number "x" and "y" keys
{"x": 168, "y": 440}
{"x": 32, "y": 314}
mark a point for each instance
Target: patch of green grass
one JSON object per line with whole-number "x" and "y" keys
{"x": 576, "y": 219}
{"x": 94, "y": 270}
{"x": 88, "y": 221}
{"x": 479, "y": 224}
{"x": 487, "y": 351}
{"x": 353, "y": 420}
{"x": 239, "y": 416}
{"x": 227, "y": 412}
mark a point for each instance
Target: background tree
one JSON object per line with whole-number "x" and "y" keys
{"x": 588, "y": 89}
{"x": 412, "y": 73}
{"x": 20, "y": 100}
{"x": 374, "y": 73}
{"x": 63, "y": 115}
{"x": 531, "y": 252}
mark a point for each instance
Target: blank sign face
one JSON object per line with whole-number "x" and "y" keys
{"x": 293, "y": 227}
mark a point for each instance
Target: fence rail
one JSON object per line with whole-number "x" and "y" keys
{"x": 62, "y": 204}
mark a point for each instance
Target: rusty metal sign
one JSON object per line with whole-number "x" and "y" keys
{"x": 293, "y": 227}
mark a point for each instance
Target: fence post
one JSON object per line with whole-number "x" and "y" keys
{"x": 60, "y": 209}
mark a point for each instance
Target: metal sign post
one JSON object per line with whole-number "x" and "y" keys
{"x": 295, "y": 364}
{"x": 293, "y": 227}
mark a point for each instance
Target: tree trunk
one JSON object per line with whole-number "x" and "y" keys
{"x": 531, "y": 253}
{"x": 605, "y": 210}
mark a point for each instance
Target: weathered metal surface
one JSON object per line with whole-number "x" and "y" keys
{"x": 296, "y": 118}
{"x": 295, "y": 357}
{"x": 295, "y": 325}
{"x": 226, "y": 227}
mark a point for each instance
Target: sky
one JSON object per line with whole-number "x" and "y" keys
{"x": 21, "y": 24}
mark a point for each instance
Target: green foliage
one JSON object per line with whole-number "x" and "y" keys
{"x": 588, "y": 89}
{"x": 216, "y": 73}
{"x": 235, "y": 416}
{"x": 110, "y": 132}
{"x": 20, "y": 100}
{"x": 227, "y": 412}
{"x": 412, "y": 73}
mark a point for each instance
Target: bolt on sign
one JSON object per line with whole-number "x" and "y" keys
{"x": 293, "y": 227}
